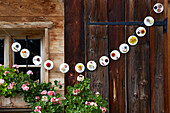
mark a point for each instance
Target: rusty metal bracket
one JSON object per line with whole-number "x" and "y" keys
{"x": 156, "y": 23}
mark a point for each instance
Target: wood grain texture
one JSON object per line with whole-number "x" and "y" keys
{"x": 156, "y": 59}
{"x": 97, "y": 45}
{"x": 74, "y": 38}
{"x": 116, "y": 34}
{"x": 138, "y": 60}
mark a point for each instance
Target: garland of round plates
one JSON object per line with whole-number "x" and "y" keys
{"x": 104, "y": 60}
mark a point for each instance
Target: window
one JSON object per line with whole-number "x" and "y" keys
{"x": 2, "y": 51}
{"x": 34, "y": 46}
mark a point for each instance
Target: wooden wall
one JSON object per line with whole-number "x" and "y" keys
{"x": 143, "y": 71}
{"x": 40, "y": 11}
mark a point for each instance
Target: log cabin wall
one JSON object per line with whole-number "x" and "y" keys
{"x": 40, "y": 11}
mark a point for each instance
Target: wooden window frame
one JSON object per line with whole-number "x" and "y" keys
{"x": 45, "y": 26}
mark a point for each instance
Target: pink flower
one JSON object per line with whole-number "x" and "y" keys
{"x": 75, "y": 92}
{"x": 37, "y": 97}
{"x": 15, "y": 66}
{"x": 54, "y": 100}
{"x": 10, "y": 86}
{"x": 44, "y": 98}
{"x": 13, "y": 83}
{"x": 37, "y": 110}
{"x": 38, "y": 107}
{"x": 1, "y": 81}
{"x": 0, "y": 64}
{"x": 44, "y": 92}
{"x": 103, "y": 109}
{"x": 29, "y": 72}
{"x": 58, "y": 83}
{"x": 64, "y": 98}
{"x": 51, "y": 93}
{"x": 6, "y": 72}
{"x": 87, "y": 103}
{"x": 25, "y": 87}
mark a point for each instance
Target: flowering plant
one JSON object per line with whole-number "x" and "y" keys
{"x": 48, "y": 101}
{"x": 80, "y": 99}
{"x": 11, "y": 81}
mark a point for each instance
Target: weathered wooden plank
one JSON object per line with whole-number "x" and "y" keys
{"x": 97, "y": 45}
{"x": 116, "y": 12}
{"x": 156, "y": 59}
{"x": 74, "y": 37}
{"x": 32, "y": 8}
{"x": 32, "y": 25}
{"x": 138, "y": 60}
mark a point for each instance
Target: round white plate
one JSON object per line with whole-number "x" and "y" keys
{"x": 158, "y": 8}
{"x": 80, "y": 68}
{"x": 104, "y": 60}
{"x": 25, "y": 53}
{"x": 115, "y": 54}
{"x": 132, "y": 40}
{"x": 141, "y": 31}
{"x": 149, "y": 21}
{"x": 48, "y": 64}
{"x": 16, "y": 47}
{"x": 124, "y": 48}
{"x": 91, "y": 65}
{"x": 64, "y": 67}
{"x": 37, "y": 60}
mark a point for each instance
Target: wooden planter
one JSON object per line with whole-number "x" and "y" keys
{"x": 13, "y": 102}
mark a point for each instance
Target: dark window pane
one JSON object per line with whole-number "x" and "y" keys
{"x": 36, "y": 72}
{"x": 1, "y": 51}
{"x": 34, "y": 47}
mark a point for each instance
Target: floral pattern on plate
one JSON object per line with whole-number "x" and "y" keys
{"x": 124, "y": 48}
{"x": 132, "y": 40}
{"x": 149, "y": 21}
{"x": 158, "y": 8}
{"x": 48, "y": 64}
{"x": 37, "y": 60}
{"x": 104, "y": 60}
{"x": 79, "y": 68}
{"x": 64, "y": 67}
{"x": 141, "y": 31}
{"x": 25, "y": 53}
{"x": 16, "y": 47}
{"x": 115, "y": 55}
{"x": 91, "y": 65}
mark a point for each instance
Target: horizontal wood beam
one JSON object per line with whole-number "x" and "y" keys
{"x": 14, "y": 25}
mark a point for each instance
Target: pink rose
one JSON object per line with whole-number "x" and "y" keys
{"x": 13, "y": 83}
{"x": 44, "y": 92}
{"x": 51, "y": 93}
{"x": 25, "y": 87}
{"x": 37, "y": 97}
{"x": 10, "y": 86}
{"x": 103, "y": 109}
{"x": 1, "y": 81}
{"x": 6, "y": 72}
{"x": 38, "y": 107}
{"x": 15, "y": 66}
{"x": 0, "y": 64}
{"x": 29, "y": 72}
{"x": 58, "y": 83}
{"x": 54, "y": 100}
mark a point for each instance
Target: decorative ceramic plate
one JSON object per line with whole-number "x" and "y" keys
{"x": 141, "y": 31}
{"x": 158, "y": 8}
{"x": 149, "y": 21}
{"x": 80, "y": 68}
{"x": 132, "y": 40}
{"x": 115, "y": 54}
{"x": 48, "y": 64}
{"x": 16, "y": 47}
{"x": 124, "y": 48}
{"x": 64, "y": 68}
{"x": 91, "y": 65}
{"x": 25, "y": 53}
{"x": 37, "y": 60}
{"x": 104, "y": 60}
